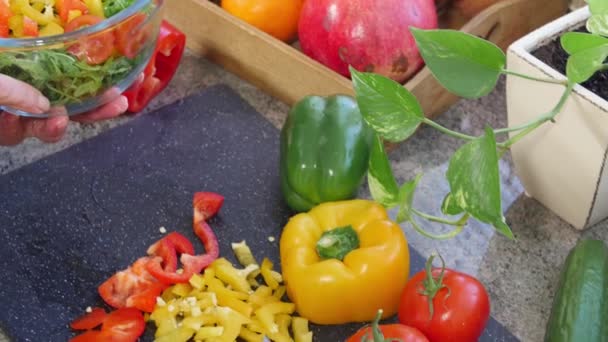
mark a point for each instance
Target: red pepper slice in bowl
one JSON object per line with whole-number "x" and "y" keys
{"x": 161, "y": 68}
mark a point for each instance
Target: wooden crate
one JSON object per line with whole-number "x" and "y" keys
{"x": 274, "y": 66}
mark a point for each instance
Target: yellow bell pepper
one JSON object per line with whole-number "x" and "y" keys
{"x": 344, "y": 260}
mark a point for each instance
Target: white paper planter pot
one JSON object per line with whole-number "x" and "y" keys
{"x": 560, "y": 164}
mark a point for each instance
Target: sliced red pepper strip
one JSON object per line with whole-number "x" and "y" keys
{"x": 193, "y": 264}
{"x": 89, "y": 320}
{"x": 161, "y": 68}
{"x": 206, "y": 205}
{"x": 30, "y": 27}
{"x": 122, "y": 325}
{"x": 165, "y": 250}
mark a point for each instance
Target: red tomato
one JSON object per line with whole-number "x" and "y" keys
{"x": 89, "y": 320}
{"x": 390, "y": 331}
{"x": 93, "y": 50}
{"x": 122, "y": 325}
{"x": 459, "y": 314}
{"x": 131, "y": 36}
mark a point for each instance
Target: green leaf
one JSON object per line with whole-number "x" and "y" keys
{"x": 449, "y": 206}
{"x": 406, "y": 197}
{"x": 583, "y": 64}
{"x": 598, "y": 24}
{"x": 381, "y": 181}
{"x": 575, "y": 42}
{"x": 598, "y": 6}
{"x": 389, "y": 108}
{"x": 464, "y": 64}
{"x": 475, "y": 182}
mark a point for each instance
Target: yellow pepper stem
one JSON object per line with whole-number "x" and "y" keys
{"x": 337, "y": 243}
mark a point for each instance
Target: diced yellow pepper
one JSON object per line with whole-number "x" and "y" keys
{"x": 250, "y": 336}
{"x": 256, "y": 326}
{"x": 165, "y": 327}
{"x": 41, "y": 18}
{"x": 266, "y": 314}
{"x": 237, "y": 279}
{"x": 283, "y": 321}
{"x": 301, "y": 333}
{"x": 279, "y": 292}
{"x": 15, "y": 23}
{"x": 205, "y": 333}
{"x": 262, "y": 296}
{"x": 266, "y": 270}
{"x": 232, "y": 321}
{"x": 73, "y": 14}
{"x": 181, "y": 290}
{"x": 51, "y": 29}
{"x": 215, "y": 285}
{"x": 95, "y": 7}
{"x": 243, "y": 253}
{"x": 197, "y": 281}
{"x": 181, "y": 334}
{"x": 168, "y": 294}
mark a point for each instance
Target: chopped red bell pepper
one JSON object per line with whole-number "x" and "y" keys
{"x": 122, "y": 325}
{"x": 205, "y": 205}
{"x": 89, "y": 320}
{"x": 30, "y": 27}
{"x": 161, "y": 68}
{"x": 133, "y": 287}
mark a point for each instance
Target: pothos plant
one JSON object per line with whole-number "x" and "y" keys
{"x": 470, "y": 67}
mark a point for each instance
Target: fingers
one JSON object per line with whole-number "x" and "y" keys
{"x": 48, "y": 130}
{"x": 20, "y": 95}
{"x": 108, "y": 111}
{"x": 11, "y": 129}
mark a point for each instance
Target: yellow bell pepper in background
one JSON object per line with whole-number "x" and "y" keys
{"x": 342, "y": 261}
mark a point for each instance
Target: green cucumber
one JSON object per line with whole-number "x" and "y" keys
{"x": 580, "y": 307}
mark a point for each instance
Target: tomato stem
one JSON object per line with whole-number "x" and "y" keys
{"x": 431, "y": 285}
{"x": 376, "y": 332}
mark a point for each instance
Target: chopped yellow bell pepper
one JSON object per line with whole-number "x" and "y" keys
{"x": 221, "y": 306}
{"x": 51, "y": 29}
{"x": 73, "y": 14}
{"x": 95, "y": 7}
{"x": 342, "y": 261}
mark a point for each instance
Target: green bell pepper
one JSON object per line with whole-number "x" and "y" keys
{"x": 325, "y": 146}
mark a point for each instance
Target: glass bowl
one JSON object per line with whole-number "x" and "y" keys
{"x": 85, "y": 68}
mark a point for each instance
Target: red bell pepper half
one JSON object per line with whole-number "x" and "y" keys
{"x": 161, "y": 68}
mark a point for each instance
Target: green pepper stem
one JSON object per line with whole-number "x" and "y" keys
{"x": 337, "y": 243}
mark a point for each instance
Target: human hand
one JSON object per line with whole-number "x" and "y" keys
{"x": 19, "y": 95}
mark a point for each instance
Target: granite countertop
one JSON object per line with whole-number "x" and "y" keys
{"x": 520, "y": 275}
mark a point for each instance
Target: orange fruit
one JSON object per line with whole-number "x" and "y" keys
{"x": 278, "y": 18}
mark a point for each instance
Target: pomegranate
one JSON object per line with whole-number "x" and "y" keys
{"x": 369, "y": 35}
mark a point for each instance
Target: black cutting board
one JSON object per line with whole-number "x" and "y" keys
{"x": 69, "y": 221}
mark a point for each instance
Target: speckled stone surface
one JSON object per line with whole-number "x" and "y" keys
{"x": 520, "y": 276}
{"x": 146, "y": 183}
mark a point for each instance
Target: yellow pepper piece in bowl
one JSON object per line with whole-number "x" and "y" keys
{"x": 342, "y": 261}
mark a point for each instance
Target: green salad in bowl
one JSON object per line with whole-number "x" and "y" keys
{"x": 80, "y": 54}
